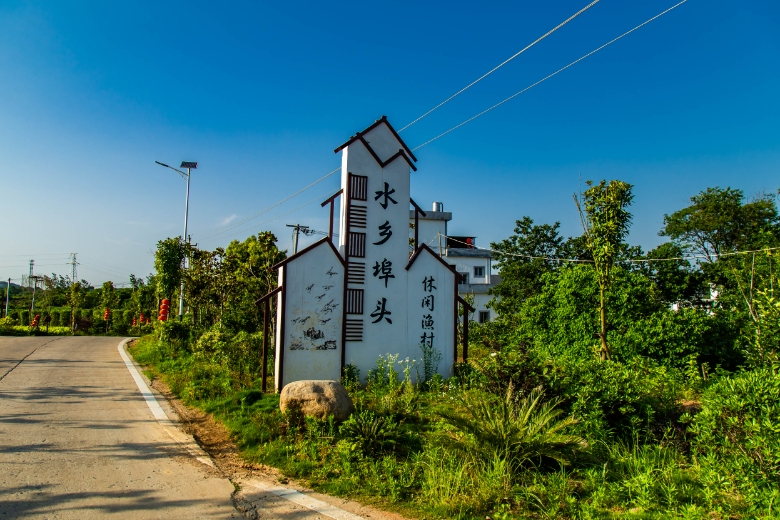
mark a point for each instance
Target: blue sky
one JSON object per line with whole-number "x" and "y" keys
{"x": 92, "y": 93}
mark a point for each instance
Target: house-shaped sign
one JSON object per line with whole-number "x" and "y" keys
{"x": 367, "y": 296}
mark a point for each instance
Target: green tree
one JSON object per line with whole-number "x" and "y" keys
{"x": 75, "y": 300}
{"x": 719, "y": 221}
{"x": 522, "y": 259}
{"x": 674, "y": 278}
{"x": 248, "y": 268}
{"x": 168, "y": 261}
{"x": 605, "y": 221}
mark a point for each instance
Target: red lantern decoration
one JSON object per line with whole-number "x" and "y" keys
{"x": 165, "y": 306}
{"x": 106, "y": 313}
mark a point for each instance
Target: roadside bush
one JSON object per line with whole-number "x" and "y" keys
{"x": 737, "y": 433}
{"x": 613, "y": 399}
{"x": 370, "y": 433}
{"x": 7, "y": 325}
{"x": 55, "y": 319}
{"x": 525, "y": 432}
{"x": 24, "y": 318}
{"x": 176, "y": 334}
{"x": 514, "y": 366}
{"x": 64, "y": 318}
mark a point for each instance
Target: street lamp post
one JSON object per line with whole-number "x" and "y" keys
{"x": 186, "y": 176}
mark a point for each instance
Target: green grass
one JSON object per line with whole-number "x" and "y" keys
{"x": 412, "y": 466}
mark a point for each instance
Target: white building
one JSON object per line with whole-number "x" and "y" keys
{"x": 474, "y": 265}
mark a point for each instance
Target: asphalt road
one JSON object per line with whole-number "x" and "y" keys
{"x": 77, "y": 440}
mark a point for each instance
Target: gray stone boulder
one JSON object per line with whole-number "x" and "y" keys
{"x": 317, "y": 398}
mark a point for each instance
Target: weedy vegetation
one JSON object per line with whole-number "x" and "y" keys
{"x": 627, "y": 384}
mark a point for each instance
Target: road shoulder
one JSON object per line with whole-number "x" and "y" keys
{"x": 260, "y": 489}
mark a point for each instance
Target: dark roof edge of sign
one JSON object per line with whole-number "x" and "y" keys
{"x": 422, "y": 247}
{"x": 374, "y": 125}
{"x": 307, "y": 249}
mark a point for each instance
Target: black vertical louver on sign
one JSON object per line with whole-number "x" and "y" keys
{"x": 356, "y": 272}
{"x": 358, "y": 189}
{"x": 354, "y": 330}
{"x": 354, "y": 301}
{"x": 357, "y": 245}
{"x": 357, "y": 216}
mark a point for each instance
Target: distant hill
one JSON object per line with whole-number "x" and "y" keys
{"x": 13, "y": 285}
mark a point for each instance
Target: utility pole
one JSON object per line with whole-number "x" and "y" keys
{"x": 35, "y": 286}
{"x": 297, "y": 228}
{"x": 32, "y": 265}
{"x": 7, "y": 296}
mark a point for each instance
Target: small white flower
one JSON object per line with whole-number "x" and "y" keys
{"x": 494, "y": 354}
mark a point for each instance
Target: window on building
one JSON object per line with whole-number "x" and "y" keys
{"x": 464, "y": 277}
{"x": 484, "y": 316}
{"x": 479, "y": 271}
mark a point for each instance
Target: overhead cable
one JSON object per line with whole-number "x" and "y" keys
{"x": 330, "y": 193}
{"x": 491, "y": 71}
{"x": 272, "y": 206}
{"x": 634, "y": 260}
{"x": 591, "y": 53}
{"x": 221, "y": 232}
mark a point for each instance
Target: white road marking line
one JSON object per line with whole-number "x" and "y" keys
{"x": 177, "y": 435}
{"x": 283, "y": 492}
{"x": 306, "y": 501}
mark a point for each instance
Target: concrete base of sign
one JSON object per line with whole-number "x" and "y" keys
{"x": 317, "y": 398}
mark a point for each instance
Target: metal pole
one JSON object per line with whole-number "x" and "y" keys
{"x": 183, "y": 238}
{"x": 295, "y": 238}
{"x": 266, "y": 323}
{"x": 35, "y": 286}
{"x": 7, "y": 295}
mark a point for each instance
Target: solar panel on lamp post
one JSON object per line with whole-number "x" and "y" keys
{"x": 190, "y": 165}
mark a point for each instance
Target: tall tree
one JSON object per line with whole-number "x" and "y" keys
{"x": 605, "y": 222}
{"x": 718, "y": 221}
{"x": 168, "y": 261}
{"x": 522, "y": 259}
{"x": 75, "y": 300}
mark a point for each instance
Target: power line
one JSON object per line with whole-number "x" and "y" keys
{"x": 491, "y": 71}
{"x": 635, "y": 260}
{"x": 548, "y": 33}
{"x": 548, "y": 77}
{"x": 272, "y": 206}
{"x": 288, "y": 212}
{"x": 252, "y": 217}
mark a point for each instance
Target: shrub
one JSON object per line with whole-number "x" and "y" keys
{"x": 738, "y": 432}
{"x": 528, "y": 431}
{"x": 370, "y": 433}
{"x": 616, "y": 399}
{"x": 24, "y": 318}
